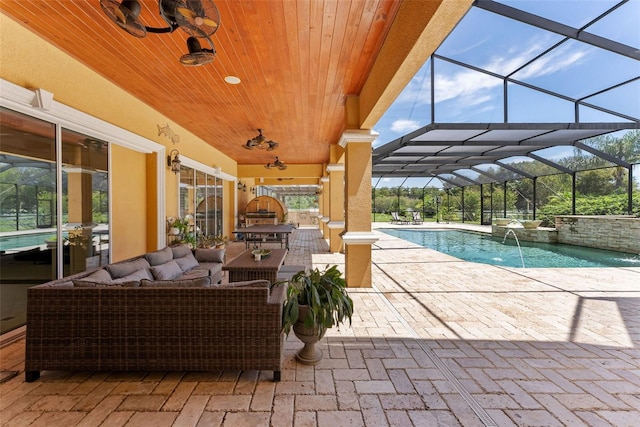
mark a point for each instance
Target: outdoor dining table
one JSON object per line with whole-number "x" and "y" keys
{"x": 263, "y": 231}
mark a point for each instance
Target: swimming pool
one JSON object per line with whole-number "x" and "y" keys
{"x": 482, "y": 248}
{"x": 25, "y": 240}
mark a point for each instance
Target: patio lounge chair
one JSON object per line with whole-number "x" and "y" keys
{"x": 397, "y": 219}
{"x": 417, "y": 219}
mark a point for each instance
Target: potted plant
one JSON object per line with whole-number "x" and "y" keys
{"x": 316, "y": 300}
{"x": 220, "y": 241}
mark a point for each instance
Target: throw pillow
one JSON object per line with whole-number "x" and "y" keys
{"x": 125, "y": 268}
{"x": 210, "y": 255}
{"x": 187, "y": 262}
{"x": 167, "y": 271}
{"x": 180, "y": 250}
{"x": 202, "y": 282}
{"x": 101, "y": 275}
{"x": 162, "y": 256}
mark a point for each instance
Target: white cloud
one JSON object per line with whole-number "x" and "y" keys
{"x": 405, "y": 126}
{"x": 466, "y": 84}
{"x": 470, "y": 87}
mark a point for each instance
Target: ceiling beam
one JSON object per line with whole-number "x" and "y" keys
{"x": 514, "y": 170}
{"x": 602, "y": 154}
{"x": 550, "y": 163}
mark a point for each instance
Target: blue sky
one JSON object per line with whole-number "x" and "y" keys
{"x": 501, "y": 45}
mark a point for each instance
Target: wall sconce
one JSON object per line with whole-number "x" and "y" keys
{"x": 253, "y": 190}
{"x": 242, "y": 186}
{"x": 174, "y": 163}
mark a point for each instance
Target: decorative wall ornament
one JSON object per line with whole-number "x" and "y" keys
{"x": 169, "y": 133}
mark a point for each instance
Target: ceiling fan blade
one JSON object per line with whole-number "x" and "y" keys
{"x": 209, "y": 22}
{"x": 120, "y": 16}
{"x": 187, "y": 13}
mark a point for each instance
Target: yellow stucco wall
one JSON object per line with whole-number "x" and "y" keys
{"x": 31, "y": 62}
{"x": 129, "y": 210}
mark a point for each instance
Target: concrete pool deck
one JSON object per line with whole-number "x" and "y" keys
{"x": 436, "y": 341}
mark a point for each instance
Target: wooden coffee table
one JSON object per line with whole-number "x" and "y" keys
{"x": 244, "y": 267}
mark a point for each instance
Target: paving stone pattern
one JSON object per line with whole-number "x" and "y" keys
{"x": 435, "y": 342}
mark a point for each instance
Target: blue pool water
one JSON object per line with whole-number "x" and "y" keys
{"x": 477, "y": 247}
{"x": 25, "y": 240}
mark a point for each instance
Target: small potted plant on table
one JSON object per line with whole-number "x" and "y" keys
{"x": 316, "y": 300}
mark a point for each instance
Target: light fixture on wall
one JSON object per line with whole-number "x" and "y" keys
{"x": 259, "y": 141}
{"x": 174, "y": 162}
{"x": 198, "y": 18}
{"x": 242, "y": 186}
{"x": 253, "y": 189}
{"x": 276, "y": 164}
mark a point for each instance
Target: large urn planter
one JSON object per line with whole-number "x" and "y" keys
{"x": 316, "y": 300}
{"x": 531, "y": 224}
{"x": 502, "y": 222}
{"x": 310, "y": 336}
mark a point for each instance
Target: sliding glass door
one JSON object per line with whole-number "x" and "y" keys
{"x": 54, "y": 216}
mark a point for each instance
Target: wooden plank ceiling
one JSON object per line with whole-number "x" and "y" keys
{"x": 296, "y": 59}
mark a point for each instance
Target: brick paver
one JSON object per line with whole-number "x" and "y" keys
{"x": 437, "y": 341}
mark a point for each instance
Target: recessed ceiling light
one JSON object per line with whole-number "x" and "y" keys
{"x": 232, "y": 80}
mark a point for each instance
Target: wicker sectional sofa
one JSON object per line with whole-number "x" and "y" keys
{"x": 132, "y": 322}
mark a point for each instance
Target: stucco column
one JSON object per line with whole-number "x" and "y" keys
{"x": 323, "y": 218}
{"x": 358, "y": 237}
{"x": 336, "y": 206}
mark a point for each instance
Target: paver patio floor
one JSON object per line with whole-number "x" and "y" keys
{"x": 435, "y": 342}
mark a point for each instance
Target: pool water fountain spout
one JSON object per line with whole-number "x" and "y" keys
{"x": 515, "y": 236}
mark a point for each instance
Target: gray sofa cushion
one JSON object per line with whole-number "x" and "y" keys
{"x": 136, "y": 275}
{"x": 210, "y": 255}
{"x": 180, "y": 250}
{"x": 101, "y": 275}
{"x": 212, "y": 267}
{"x": 167, "y": 271}
{"x": 200, "y": 282}
{"x": 125, "y": 268}
{"x": 88, "y": 284}
{"x": 187, "y": 262}
{"x": 194, "y": 273}
{"x": 162, "y": 256}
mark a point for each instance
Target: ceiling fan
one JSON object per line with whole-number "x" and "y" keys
{"x": 261, "y": 142}
{"x": 198, "y": 18}
{"x": 276, "y": 164}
